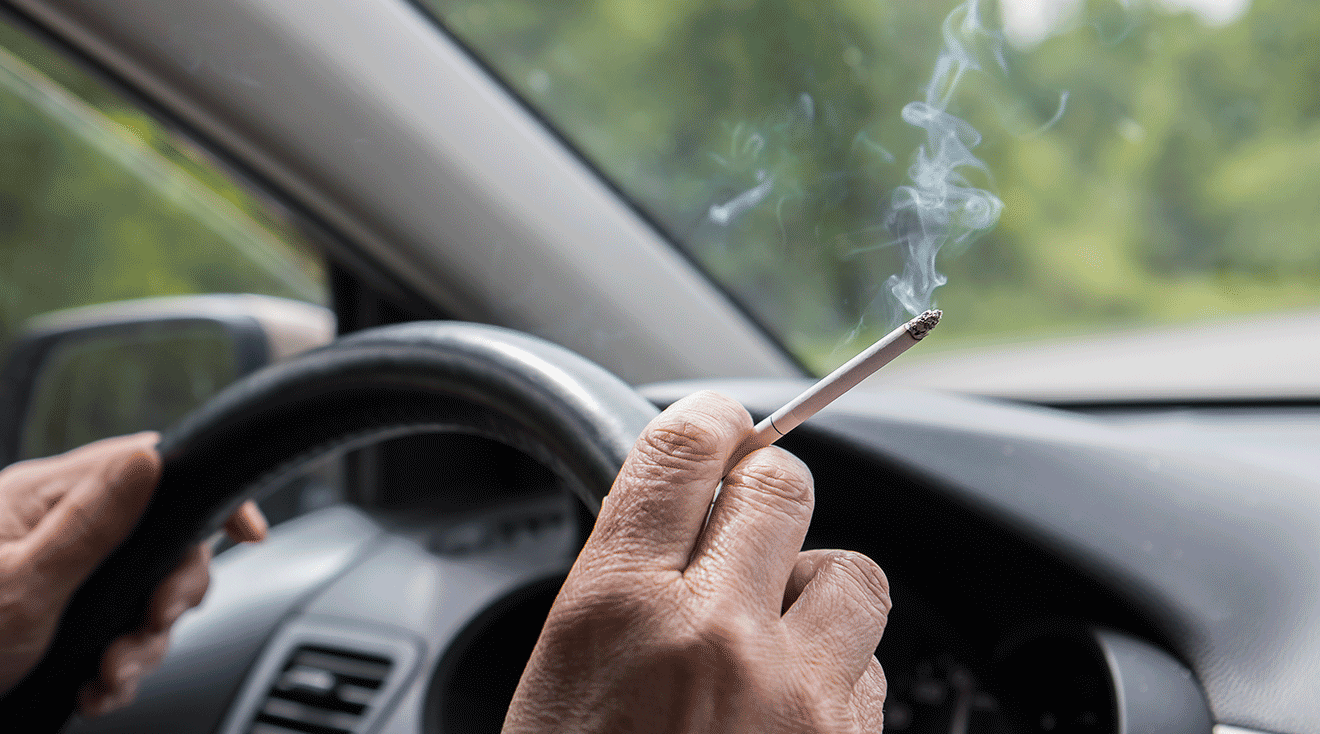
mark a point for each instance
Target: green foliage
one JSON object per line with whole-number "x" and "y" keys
{"x": 99, "y": 202}
{"x": 1180, "y": 183}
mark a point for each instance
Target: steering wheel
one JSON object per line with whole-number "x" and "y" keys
{"x": 572, "y": 415}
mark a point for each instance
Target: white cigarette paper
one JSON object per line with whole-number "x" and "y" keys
{"x": 835, "y": 384}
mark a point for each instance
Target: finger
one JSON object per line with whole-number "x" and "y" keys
{"x": 840, "y": 615}
{"x": 99, "y": 511}
{"x": 663, "y": 492}
{"x": 123, "y": 666}
{"x": 32, "y": 487}
{"x": 247, "y": 524}
{"x": 96, "y": 451}
{"x": 131, "y": 657}
{"x": 756, "y": 528}
{"x": 808, "y": 562}
{"x": 182, "y": 590}
{"x": 868, "y": 698}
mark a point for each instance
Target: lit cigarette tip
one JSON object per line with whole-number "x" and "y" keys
{"x": 920, "y": 326}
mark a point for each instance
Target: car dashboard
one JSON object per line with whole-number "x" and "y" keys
{"x": 1096, "y": 569}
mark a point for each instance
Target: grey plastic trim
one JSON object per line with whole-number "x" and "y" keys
{"x": 404, "y": 651}
{"x": 385, "y": 129}
{"x": 1155, "y": 693}
{"x": 1225, "y": 729}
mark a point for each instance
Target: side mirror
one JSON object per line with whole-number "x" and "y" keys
{"x": 83, "y": 374}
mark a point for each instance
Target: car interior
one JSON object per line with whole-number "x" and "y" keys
{"x": 392, "y": 291}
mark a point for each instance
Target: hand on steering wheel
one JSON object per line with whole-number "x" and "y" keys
{"x": 59, "y": 518}
{"x": 668, "y": 624}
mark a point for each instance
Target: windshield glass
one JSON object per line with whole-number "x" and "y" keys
{"x": 1029, "y": 166}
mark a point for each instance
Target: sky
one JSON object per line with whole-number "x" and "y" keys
{"x": 1027, "y": 22}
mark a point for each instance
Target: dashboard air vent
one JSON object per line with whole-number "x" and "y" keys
{"x": 321, "y": 691}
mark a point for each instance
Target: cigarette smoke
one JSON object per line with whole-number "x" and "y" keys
{"x": 725, "y": 213}
{"x": 754, "y": 148}
{"x": 941, "y": 206}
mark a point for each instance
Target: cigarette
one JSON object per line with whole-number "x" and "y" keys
{"x": 835, "y": 384}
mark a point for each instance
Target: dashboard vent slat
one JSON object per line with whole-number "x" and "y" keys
{"x": 321, "y": 691}
{"x": 353, "y": 667}
{"x": 263, "y": 728}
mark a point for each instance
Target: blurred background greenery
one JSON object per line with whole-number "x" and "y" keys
{"x": 1180, "y": 183}
{"x": 100, "y": 202}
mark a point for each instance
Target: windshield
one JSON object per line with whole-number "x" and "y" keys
{"x": 1029, "y": 166}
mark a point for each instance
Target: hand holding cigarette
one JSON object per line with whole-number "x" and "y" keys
{"x": 691, "y": 606}
{"x": 668, "y": 622}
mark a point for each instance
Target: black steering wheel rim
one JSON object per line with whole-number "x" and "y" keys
{"x": 420, "y": 377}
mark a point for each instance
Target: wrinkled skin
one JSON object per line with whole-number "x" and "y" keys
{"x": 59, "y": 518}
{"x": 664, "y": 625}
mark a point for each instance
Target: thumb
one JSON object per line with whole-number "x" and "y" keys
{"x": 95, "y": 516}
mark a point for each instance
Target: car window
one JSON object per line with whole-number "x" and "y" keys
{"x": 1071, "y": 166}
{"x": 100, "y": 202}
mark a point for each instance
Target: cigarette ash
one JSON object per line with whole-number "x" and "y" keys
{"x": 921, "y": 325}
